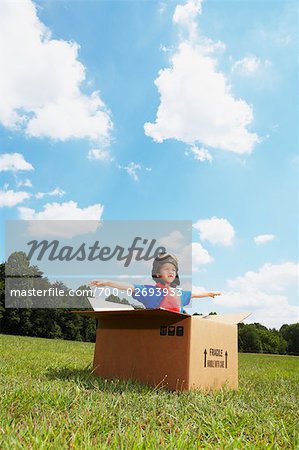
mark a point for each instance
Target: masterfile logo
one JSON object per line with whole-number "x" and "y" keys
{"x": 51, "y": 263}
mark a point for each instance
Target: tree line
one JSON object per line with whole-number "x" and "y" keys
{"x": 60, "y": 323}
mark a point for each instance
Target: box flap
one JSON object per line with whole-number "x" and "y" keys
{"x": 227, "y": 318}
{"x": 99, "y": 304}
{"x": 136, "y": 313}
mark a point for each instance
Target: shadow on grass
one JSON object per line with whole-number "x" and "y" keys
{"x": 85, "y": 379}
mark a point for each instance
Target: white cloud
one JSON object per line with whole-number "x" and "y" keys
{"x": 13, "y": 162}
{"x": 247, "y": 65}
{"x": 264, "y": 293}
{"x": 216, "y": 231}
{"x": 192, "y": 257}
{"x": 250, "y": 65}
{"x": 41, "y": 85}
{"x": 194, "y": 302}
{"x": 200, "y": 154}
{"x": 284, "y": 40}
{"x": 196, "y": 100}
{"x": 99, "y": 154}
{"x": 63, "y": 211}
{"x": 25, "y": 183}
{"x": 165, "y": 49}
{"x": 12, "y": 198}
{"x": 196, "y": 288}
{"x": 173, "y": 241}
{"x": 271, "y": 310}
{"x": 263, "y": 238}
{"x": 68, "y": 220}
{"x": 284, "y": 33}
{"x": 132, "y": 169}
{"x": 185, "y": 16}
{"x": 270, "y": 277}
{"x": 56, "y": 192}
{"x": 200, "y": 256}
{"x": 162, "y": 7}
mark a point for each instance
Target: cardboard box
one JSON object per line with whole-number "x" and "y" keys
{"x": 167, "y": 349}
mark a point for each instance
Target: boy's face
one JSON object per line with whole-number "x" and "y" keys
{"x": 167, "y": 273}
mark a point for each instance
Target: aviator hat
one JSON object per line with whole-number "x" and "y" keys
{"x": 161, "y": 259}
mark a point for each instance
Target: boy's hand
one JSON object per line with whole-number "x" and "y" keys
{"x": 213, "y": 294}
{"x": 98, "y": 283}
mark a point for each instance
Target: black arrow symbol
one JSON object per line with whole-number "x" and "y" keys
{"x": 205, "y": 357}
{"x": 226, "y": 360}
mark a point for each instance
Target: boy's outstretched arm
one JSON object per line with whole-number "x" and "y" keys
{"x": 204, "y": 294}
{"x": 113, "y": 284}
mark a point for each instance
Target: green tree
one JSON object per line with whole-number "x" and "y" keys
{"x": 291, "y": 334}
{"x": 249, "y": 339}
{"x": 270, "y": 341}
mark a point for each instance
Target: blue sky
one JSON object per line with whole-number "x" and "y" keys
{"x": 162, "y": 110}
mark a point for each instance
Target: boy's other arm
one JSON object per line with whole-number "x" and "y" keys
{"x": 113, "y": 284}
{"x": 204, "y": 294}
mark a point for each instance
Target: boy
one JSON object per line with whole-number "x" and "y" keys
{"x": 165, "y": 294}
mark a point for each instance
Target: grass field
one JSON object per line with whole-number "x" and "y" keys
{"x": 49, "y": 400}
